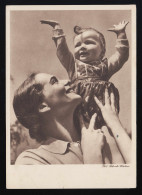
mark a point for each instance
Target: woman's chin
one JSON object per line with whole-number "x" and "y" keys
{"x": 74, "y": 97}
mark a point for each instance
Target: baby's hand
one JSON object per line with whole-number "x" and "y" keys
{"x": 119, "y": 28}
{"x": 52, "y": 23}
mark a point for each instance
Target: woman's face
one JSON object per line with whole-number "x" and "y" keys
{"x": 56, "y": 94}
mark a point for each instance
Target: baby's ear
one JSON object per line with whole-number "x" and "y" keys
{"x": 43, "y": 107}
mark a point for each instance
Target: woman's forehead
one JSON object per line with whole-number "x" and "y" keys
{"x": 43, "y": 78}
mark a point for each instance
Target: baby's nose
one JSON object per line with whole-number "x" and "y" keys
{"x": 83, "y": 46}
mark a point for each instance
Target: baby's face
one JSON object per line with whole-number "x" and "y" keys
{"x": 87, "y": 46}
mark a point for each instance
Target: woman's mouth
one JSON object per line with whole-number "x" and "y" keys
{"x": 69, "y": 90}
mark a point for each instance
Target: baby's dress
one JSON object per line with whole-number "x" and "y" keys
{"x": 92, "y": 80}
{"x": 89, "y": 80}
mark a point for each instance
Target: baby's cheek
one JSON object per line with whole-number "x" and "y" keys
{"x": 76, "y": 54}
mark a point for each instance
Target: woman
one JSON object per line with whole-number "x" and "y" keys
{"x": 46, "y": 107}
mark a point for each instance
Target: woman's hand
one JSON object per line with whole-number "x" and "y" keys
{"x": 92, "y": 142}
{"x": 110, "y": 116}
{"x": 108, "y": 110}
{"x": 119, "y": 27}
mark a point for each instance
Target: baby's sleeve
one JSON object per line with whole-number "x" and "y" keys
{"x": 117, "y": 60}
{"x": 63, "y": 53}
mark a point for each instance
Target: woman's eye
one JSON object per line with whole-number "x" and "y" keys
{"x": 53, "y": 80}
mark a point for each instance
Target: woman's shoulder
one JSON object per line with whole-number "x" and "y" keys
{"x": 30, "y": 157}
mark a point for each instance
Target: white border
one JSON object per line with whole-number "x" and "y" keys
{"x": 70, "y": 176}
{"x": 70, "y": 7}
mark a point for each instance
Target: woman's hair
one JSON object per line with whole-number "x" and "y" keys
{"x": 78, "y": 30}
{"x": 25, "y": 103}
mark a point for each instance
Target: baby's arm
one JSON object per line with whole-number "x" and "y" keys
{"x": 65, "y": 56}
{"x": 117, "y": 60}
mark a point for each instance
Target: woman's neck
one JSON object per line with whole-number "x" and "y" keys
{"x": 67, "y": 127}
{"x": 62, "y": 127}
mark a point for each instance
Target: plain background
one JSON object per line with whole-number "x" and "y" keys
{"x": 32, "y": 48}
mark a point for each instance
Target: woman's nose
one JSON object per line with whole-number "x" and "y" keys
{"x": 65, "y": 83}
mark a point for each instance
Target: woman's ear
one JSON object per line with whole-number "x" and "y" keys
{"x": 43, "y": 107}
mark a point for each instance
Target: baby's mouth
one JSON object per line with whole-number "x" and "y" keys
{"x": 83, "y": 53}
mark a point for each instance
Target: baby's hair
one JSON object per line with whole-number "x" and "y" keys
{"x": 25, "y": 103}
{"x": 78, "y": 30}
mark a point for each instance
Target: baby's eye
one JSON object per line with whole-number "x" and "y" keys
{"x": 77, "y": 45}
{"x": 53, "y": 80}
{"x": 90, "y": 42}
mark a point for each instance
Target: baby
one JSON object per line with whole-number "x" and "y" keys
{"x": 88, "y": 70}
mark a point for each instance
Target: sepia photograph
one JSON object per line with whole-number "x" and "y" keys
{"x": 71, "y": 96}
